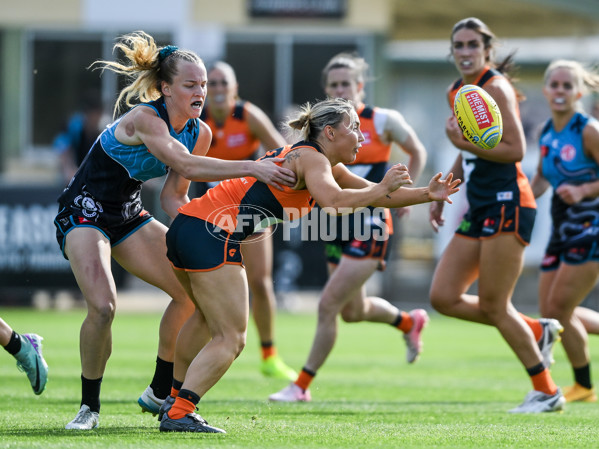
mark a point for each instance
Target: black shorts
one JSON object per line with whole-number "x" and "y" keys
{"x": 487, "y": 222}
{"x": 197, "y": 245}
{"x": 572, "y": 255}
{"x": 66, "y": 221}
{"x": 368, "y": 239}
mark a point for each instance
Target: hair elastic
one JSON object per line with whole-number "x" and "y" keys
{"x": 165, "y": 52}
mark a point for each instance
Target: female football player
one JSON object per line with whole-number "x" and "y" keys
{"x": 569, "y": 164}
{"x": 352, "y": 259}
{"x": 101, "y": 214}
{"x": 241, "y": 130}
{"x": 206, "y": 256}
{"x": 488, "y": 245}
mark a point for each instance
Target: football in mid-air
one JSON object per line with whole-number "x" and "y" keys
{"x": 479, "y": 116}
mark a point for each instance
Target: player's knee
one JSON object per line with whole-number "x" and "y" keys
{"x": 260, "y": 286}
{"x": 238, "y": 341}
{"x": 230, "y": 344}
{"x": 556, "y": 312}
{"x": 327, "y": 308}
{"x": 440, "y": 301}
{"x": 495, "y": 310}
{"x": 351, "y": 315}
{"x": 102, "y": 314}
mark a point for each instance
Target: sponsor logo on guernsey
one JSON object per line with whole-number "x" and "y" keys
{"x": 367, "y": 138}
{"x": 567, "y": 153}
{"x": 489, "y": 226}
{"x": 465, "y": 226}
{"x": 544, "y": 150}
{"x": 549, "y": 259}
{"x": 479, "y": 107}
{"x": 577, "y": 254}
{"x": 505, "y": 196}
{"x": 236, "y": 140}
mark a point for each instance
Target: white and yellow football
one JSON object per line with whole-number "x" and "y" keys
{"x": 479, "y": 116}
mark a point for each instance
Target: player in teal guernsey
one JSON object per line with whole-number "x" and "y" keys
{"x": 101, "y": 215}
{"x": 106, "y": 190}
{"x": 569, "y": 163}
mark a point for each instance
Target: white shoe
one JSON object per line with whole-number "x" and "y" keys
{"x": 539, "y": 402}
{"x": 291, "y": 393}
{"x": 85, "y": 419}
{"x": 551, "y": 335}
{"x": 149, "y": 403}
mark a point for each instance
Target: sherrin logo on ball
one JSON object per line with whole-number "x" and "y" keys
{"x": 479, "y": 116}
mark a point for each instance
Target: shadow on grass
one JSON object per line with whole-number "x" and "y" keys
{"x": 101, "y": 432}
{"x": 77, "y": 402}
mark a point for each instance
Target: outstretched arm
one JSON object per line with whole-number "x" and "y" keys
{"x": 148, "y": 128}
{"x": 321, "y": 181}
{"x": 438, "y": 190}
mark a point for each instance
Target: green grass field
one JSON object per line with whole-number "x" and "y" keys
{"x": 366, "y": 396}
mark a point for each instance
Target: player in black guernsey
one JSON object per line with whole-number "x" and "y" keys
{"x": 489, "y": 244}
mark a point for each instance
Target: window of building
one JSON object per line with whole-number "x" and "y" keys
{"x": 279, "y": 72}
{"x": 58, "y": 67}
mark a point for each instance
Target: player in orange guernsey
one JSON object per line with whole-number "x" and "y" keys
{"x": 352, "y": 260}
{"x": 240, "y": 130}
{"x": 488, "y": 246}
{"x": 205, "y": 256}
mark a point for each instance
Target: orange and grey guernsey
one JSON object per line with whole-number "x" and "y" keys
{"x": 242, "y": 206}
{"x": 232, "y": 140}
{"x": 374, "y": 154}
{"x": 489, "y": 182}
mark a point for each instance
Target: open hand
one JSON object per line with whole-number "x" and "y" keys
{"x": 441, "y": 189}
{"x": 267, "y": 171}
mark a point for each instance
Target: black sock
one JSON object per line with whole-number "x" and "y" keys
{"x": 14, "y": 345}
{"x": 90, "y": 393}
{"x": 177, "y": 385}
{"x": 163, "y": 378}
{"x": 537, "y": 369}
{"x": 190, "y": 396}
{"x": 310, "y": 372}
{"x": 397, "y": 320}
{"x": 582, "y": 376}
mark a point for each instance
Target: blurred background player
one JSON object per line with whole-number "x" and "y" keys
{"x": 80, "y": 132}
{"x": 241, "y": 130}
{"x": 352, "y": 260}
{"x": 569, "y": 164}
{"x": 27, "y": 349}
{"x": 489, "y": 243}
